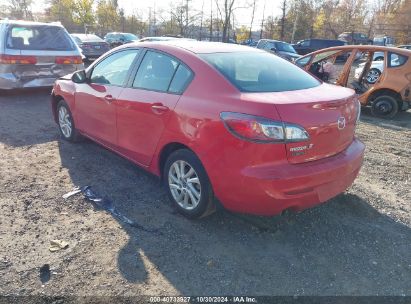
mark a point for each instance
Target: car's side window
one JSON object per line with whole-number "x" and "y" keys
{"x": 113, "y": 69}
{"x": 269, "y": 46}
{"x": 396, "y": 60}
{"x": 181, "y": 80}
{"x": 261, "y": 44}
{"x": 155, "y": 72}
{"x": 305, "y": 43}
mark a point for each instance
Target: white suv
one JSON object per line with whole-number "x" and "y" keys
{"x": 34, "y": 54}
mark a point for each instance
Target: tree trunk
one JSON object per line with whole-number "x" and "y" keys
{"x": 283, "y": 8}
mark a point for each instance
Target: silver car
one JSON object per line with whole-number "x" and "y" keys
{"x": 34, "y": 54}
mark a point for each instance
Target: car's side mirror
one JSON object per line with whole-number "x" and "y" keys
{"x": 274, "y": 49}
{"x": 79, "y": 77}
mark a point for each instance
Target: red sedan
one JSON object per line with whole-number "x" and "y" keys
{"x": 217, "y": 121}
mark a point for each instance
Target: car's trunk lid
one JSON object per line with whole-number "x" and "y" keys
{"x": 326, "y": 112}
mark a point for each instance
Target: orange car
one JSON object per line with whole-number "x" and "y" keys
{"x": 384, "y": 85}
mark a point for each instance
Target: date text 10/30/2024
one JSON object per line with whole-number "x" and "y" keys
{"x": 168, "y": 299}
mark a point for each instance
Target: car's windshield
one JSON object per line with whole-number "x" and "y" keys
{"x": 260, "y": 72}
{"x": 284, "y": 47}
{"x": 130, "y": 36}
{"x": 38, "y": 37}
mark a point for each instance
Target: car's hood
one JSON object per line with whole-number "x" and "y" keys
{"x": 67, "y": 77}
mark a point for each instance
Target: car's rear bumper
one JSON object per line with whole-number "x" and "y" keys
{"x": 31, "y": 76}
{"x": 272, "y": 189}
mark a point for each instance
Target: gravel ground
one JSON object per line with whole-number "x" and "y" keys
{"x": 356, "y": 244}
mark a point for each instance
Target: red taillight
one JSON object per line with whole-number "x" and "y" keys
{"x": 17, "y": 59}
{"x": 69, "y": 60}
{"x": 260, "y": 129}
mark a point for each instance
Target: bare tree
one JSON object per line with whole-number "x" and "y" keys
{"x": 201, "y": 22}
{"x": 252, "y": 21}
{"x": 283, "y": 12}
{"x": 211, "y": 20}
{"x": 228, "y": 8}
{"x": 262, "y": 22}
{"x": 298, "y": 6}
{"x": 20, "y": 9}
{"x": 177, "y": 14}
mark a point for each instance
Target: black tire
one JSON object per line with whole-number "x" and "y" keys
{"x": 206, "y": 205}
{"x": 74, "y": 134}
{"x": 379, "y": 59}
{"x": 385, "y": 106}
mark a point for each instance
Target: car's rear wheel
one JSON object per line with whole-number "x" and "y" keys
{"x": 373, "y": 75}
{"x": 188, "y": 185}
{"x": 384, "y": 106}
{"x": 66, "y": 122}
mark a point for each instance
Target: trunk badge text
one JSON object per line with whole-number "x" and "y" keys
{"x": 296, "y": 151}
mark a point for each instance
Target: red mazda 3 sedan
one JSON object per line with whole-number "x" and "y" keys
{"x": 217, "y": 121}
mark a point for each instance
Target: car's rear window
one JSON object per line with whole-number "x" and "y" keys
{"x": 38, "y": 37}
{"x": 260, "y": 72}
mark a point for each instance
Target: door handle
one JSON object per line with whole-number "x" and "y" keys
{"x": 109, "y": 98}
{"x": 159, "y": 108}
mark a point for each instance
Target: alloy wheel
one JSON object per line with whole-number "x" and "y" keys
{"x": 184, "y": 185}
{"x": 373, "y": 76}
{"x": 65, "y": 124}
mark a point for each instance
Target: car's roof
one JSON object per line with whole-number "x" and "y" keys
{"x": 273, "y": 40}
{"x": 32, "y": 23}
{"x": 120, "y": 33}
{"x": 87, "y": 37}
{"x": 84, "y": 35}
{"x": 374, "y": 48}
{"x": 198, "y": 47}
{"x": 164, "y": 38}
{"x": 160, "y": 38}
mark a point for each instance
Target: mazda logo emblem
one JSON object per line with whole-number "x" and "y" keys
{"x": 341, "y": 123}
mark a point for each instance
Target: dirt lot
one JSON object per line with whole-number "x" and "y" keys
{"x": 356, "y": 244}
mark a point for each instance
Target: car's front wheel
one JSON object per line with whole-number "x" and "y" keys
{"x": 66, "y": 122}
{"x": 188, "y": 185}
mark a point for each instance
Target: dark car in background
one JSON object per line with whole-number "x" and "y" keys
{"x": 34, "y": 54}
{"x": 115, "y": 39}
{"x": 92, "y": 46}
{"x": 311, "y": 45}
{"x": 249, "y": 42}
{"x": 354, "y": 38}
{"x": 280, "y": 48}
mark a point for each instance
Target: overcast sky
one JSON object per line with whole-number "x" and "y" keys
{"x": 242, "y": 15}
